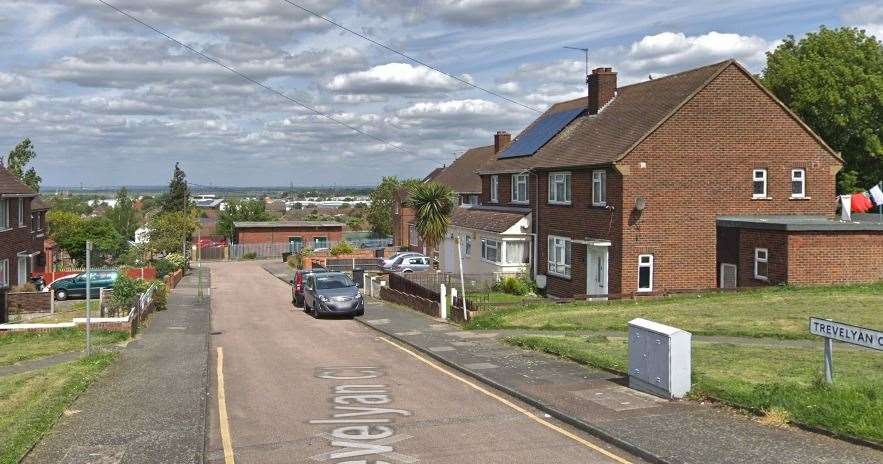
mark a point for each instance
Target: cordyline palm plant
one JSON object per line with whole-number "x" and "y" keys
{"x": 433, "y": 204}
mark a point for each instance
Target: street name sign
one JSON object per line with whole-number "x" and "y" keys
{"x": 846, "y": 333}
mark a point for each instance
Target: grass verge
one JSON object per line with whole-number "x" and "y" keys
{"x": 16, "y": 347}
{"x": 31, "y": 402}
{"x": 780, "y": 312}
{"x": 783, "y": 384}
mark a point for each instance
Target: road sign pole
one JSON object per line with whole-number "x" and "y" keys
{"x": 829, "y": 361}
{"x": 88, "y": 298}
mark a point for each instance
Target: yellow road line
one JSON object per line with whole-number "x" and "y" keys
{"x": 512, "y": 405}
{"x": 222, "y": 412}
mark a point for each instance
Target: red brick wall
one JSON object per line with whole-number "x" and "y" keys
{"x": 18, "y": 239}
{"x": 776, "y": 243}
{"x": 281, "y": 234}
{"x": 835, "y": 258}
{"x": 28, "y": 302}
{"x": 699, "y": 165}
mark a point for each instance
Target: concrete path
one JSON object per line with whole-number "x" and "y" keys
{"x": 150, "y": 406}
{"x": 672, "y": 432}
{"x": 296, "y": 389}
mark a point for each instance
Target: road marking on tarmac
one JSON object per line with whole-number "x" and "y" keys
{"x": 512, "y": 405}
{"x": 222, "y": 412}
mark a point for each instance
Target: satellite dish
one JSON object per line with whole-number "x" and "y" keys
{"x": 640, "y": 204}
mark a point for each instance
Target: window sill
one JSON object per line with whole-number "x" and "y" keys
{"x": 561, "y": 203}
{"x": 799, "y": 198}
{"x": 761, "y": 279}
{"x": 491, "y": 262}
{"x": 644, "y": 290}
{"x": 761, "y": 198}
{"x": 514, "y": 202}
{"x": 559, "y": 276}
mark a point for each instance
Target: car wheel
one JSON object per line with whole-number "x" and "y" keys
{"x": 407, "y": 270}
{"x": 61, "y": 295}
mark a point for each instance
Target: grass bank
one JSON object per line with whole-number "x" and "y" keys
{"x": 783, "y": 383}
{"x": 779, "y": 312}
{"x": 16, "y": 347}
{"x": 31, "y": 402}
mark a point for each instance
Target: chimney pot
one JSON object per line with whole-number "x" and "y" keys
{"x": 501, "y": 140}
{"x": 602, "y": 88}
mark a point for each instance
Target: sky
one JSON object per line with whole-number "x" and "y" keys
{"x": 109, "y": 102}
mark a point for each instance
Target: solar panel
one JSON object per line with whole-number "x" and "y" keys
{"x": 528, "y": 142}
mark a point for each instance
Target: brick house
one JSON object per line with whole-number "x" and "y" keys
{"x": 22, "y": 231}
{"x": 297, "y": 234}
{"x": 634, "y": 189}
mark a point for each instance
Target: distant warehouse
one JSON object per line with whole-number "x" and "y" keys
{"x": 296, "y": 233}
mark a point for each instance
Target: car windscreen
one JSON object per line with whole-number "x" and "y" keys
{"x": 332, "y": 282}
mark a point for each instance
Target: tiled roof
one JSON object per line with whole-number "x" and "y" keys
{"x": 283, "y": 224}
{"x": 603, "y": 138}
{"x": 434, "y": 173}
{"x": 10, "y": 184}
{"x": 37, "y": 204}
{"x": 460, "y": 175}
{"x": 492, "y": 220}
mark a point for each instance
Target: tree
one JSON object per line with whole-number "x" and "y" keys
{"x": 833, "y": 80}
{"x": 382, "y": 198}
{"x": 17, "y": 161}
{"x": 355, "y": 223}
{"x": 75, "y": 204}
{"x": 433, "y": 205}
{"x": 178, "y": 198}
{"x": 167, "y": 232}
{"x": 241, "y": 210}
{"x": 298, "y": 205}
{"x": 71, "y": 232}
{"x": 123, "y": 215}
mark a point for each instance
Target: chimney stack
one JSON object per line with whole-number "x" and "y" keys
{"x": 501, "y": 140}
{"x": 602, "y": 88}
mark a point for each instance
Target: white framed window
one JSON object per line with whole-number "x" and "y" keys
{"x": 320, "y": 242}
{"x": 4, "y": 214}
{"x": 761, "y": 263}
{"x": 798, "y": 183}
{"x": 559, "y": 188}
{"x": 517, "y": 251}
{"x": 759, "y": 184}
{"x": 491, "y": 250}
{"x": 645, "y": 273}
{"x": 559, "y": 256}
{"x": 599, "y": 188}
{"x": 4, "y": 273}
{"x": 21, "y": 212}
{"x": 495, "y": 189}
{"x": 519, "y": 188}
{"x": 471, "y": 200}
{"x": 467, "y": 245}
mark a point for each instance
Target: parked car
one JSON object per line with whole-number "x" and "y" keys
{"x": 393, "y": 262}
{"x": 417, "y": 263}
{"x": 297, "y": 285}
{"x": 332, "y": 293}
{"x": 75, "y": 287}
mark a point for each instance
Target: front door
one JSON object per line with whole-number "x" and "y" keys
{"x": 22, "y": 270}
{"x": 596, "y": 275}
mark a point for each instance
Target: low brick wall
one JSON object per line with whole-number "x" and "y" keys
{"x": 28, "y": 302}
{"x": 423, "y": 305}
{"x": 173, "y": 279}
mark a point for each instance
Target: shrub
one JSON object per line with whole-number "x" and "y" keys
{"x": 515, "y": 285}
{"x": 28, "y": 287}
{"x": 342, "y": 248}
{"x": 126, "y": 290}
{"x": 164, "y": 267}
{"x": 177, "y": 259}
{"x": 250, "y": 255}
{"x": 161, "y": 296}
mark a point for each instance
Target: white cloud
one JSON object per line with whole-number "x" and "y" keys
{"x": 394, "y": 78}
{"x": 510, "y": 87}
{"x": 470, "y": 12}
{"x": 13, "y": 87}
{"x": 672, "y": 51}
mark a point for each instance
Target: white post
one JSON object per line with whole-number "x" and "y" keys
{"x": 453, "y": 298}
{"x": 88, "y": 298}
{"x": 443, "y": 301}
{"x": 51, "y": 302}
{"x": 829, "y": 361}
{"x": 462, "y": 280}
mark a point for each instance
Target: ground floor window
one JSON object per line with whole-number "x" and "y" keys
{"x": 559, "y": 256}
{"x": 320, "y": 242}
{"x": 645, "y": 273}
{"x": 490, "y": 250}
{"x": 467, "y": 246}
{"x": 761, "y": 263}
{"x": 517, "y": 252}
{"x": 4, "y": 273}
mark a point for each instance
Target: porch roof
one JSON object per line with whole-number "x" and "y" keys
{"x": 497, "y": 220}
{"x": 803, "y": 223}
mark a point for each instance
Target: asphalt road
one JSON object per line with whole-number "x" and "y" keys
{"x": 297, "y": 389}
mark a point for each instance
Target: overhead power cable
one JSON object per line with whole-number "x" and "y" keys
{"x": 408, "y": 57}
{"x": 252, "y": 80}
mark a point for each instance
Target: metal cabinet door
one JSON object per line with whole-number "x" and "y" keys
{"x": 657, "y": 370}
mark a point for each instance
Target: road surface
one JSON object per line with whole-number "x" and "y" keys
{"x": 295, "y": 389}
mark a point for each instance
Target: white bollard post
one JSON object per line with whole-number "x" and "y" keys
{"x": 453, "y": 299}
{"x": 443, "y": 301}
{"x": 51, "y": 301}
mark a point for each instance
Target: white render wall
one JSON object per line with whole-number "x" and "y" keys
{"x": 474, "y": 264}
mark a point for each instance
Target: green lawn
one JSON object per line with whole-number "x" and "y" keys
{"x": 67, "y": 315}
{"x": 31, "y": 402}
{"x": 779, "y": 381}
{"x": 770, "y": 312}
{"x": 23, "y": 346}
{"x": 499, "y": 297}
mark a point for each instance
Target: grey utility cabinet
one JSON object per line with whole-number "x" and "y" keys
{"x": 659, "y": 359}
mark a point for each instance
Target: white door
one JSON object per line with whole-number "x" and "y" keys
{"x": 596, "y": 275}
{"x": 22, "y": 270}
{"x": 728, "y": 276}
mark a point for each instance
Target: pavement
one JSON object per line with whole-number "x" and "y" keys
{"x": 290, "y": 388}
{"x": 599, "y": 402}
{"x": 150, "y": 406}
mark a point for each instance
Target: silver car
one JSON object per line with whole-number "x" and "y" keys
{"x": 417, "y": 263}
{"x": 332, "y": 293}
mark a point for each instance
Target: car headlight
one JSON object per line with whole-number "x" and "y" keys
{"x": 324, "y": 298}
{"x": 359, "y": 295}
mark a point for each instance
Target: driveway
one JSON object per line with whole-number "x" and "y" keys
{"x": 297, "y": 389}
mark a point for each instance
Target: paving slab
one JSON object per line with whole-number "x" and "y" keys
{"x": 600, "y": 402}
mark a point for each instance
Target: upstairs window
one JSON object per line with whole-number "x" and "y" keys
{"x": 759, "y": 184}
{"x": 599, "y": 188}
{"x": 761, "y": 263}
{"x": 645, "y": 273}
{"x": 4, "y": 214}
{"x": 559, "y": 188}
{"x": 798, "y": 183}
{"x": 4, "y": 273}
{"x": 21, "y": 212}
{"x": 559, "y": 256}
{"x": 519, "y": 188}
{"x": 495, "y": 189}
